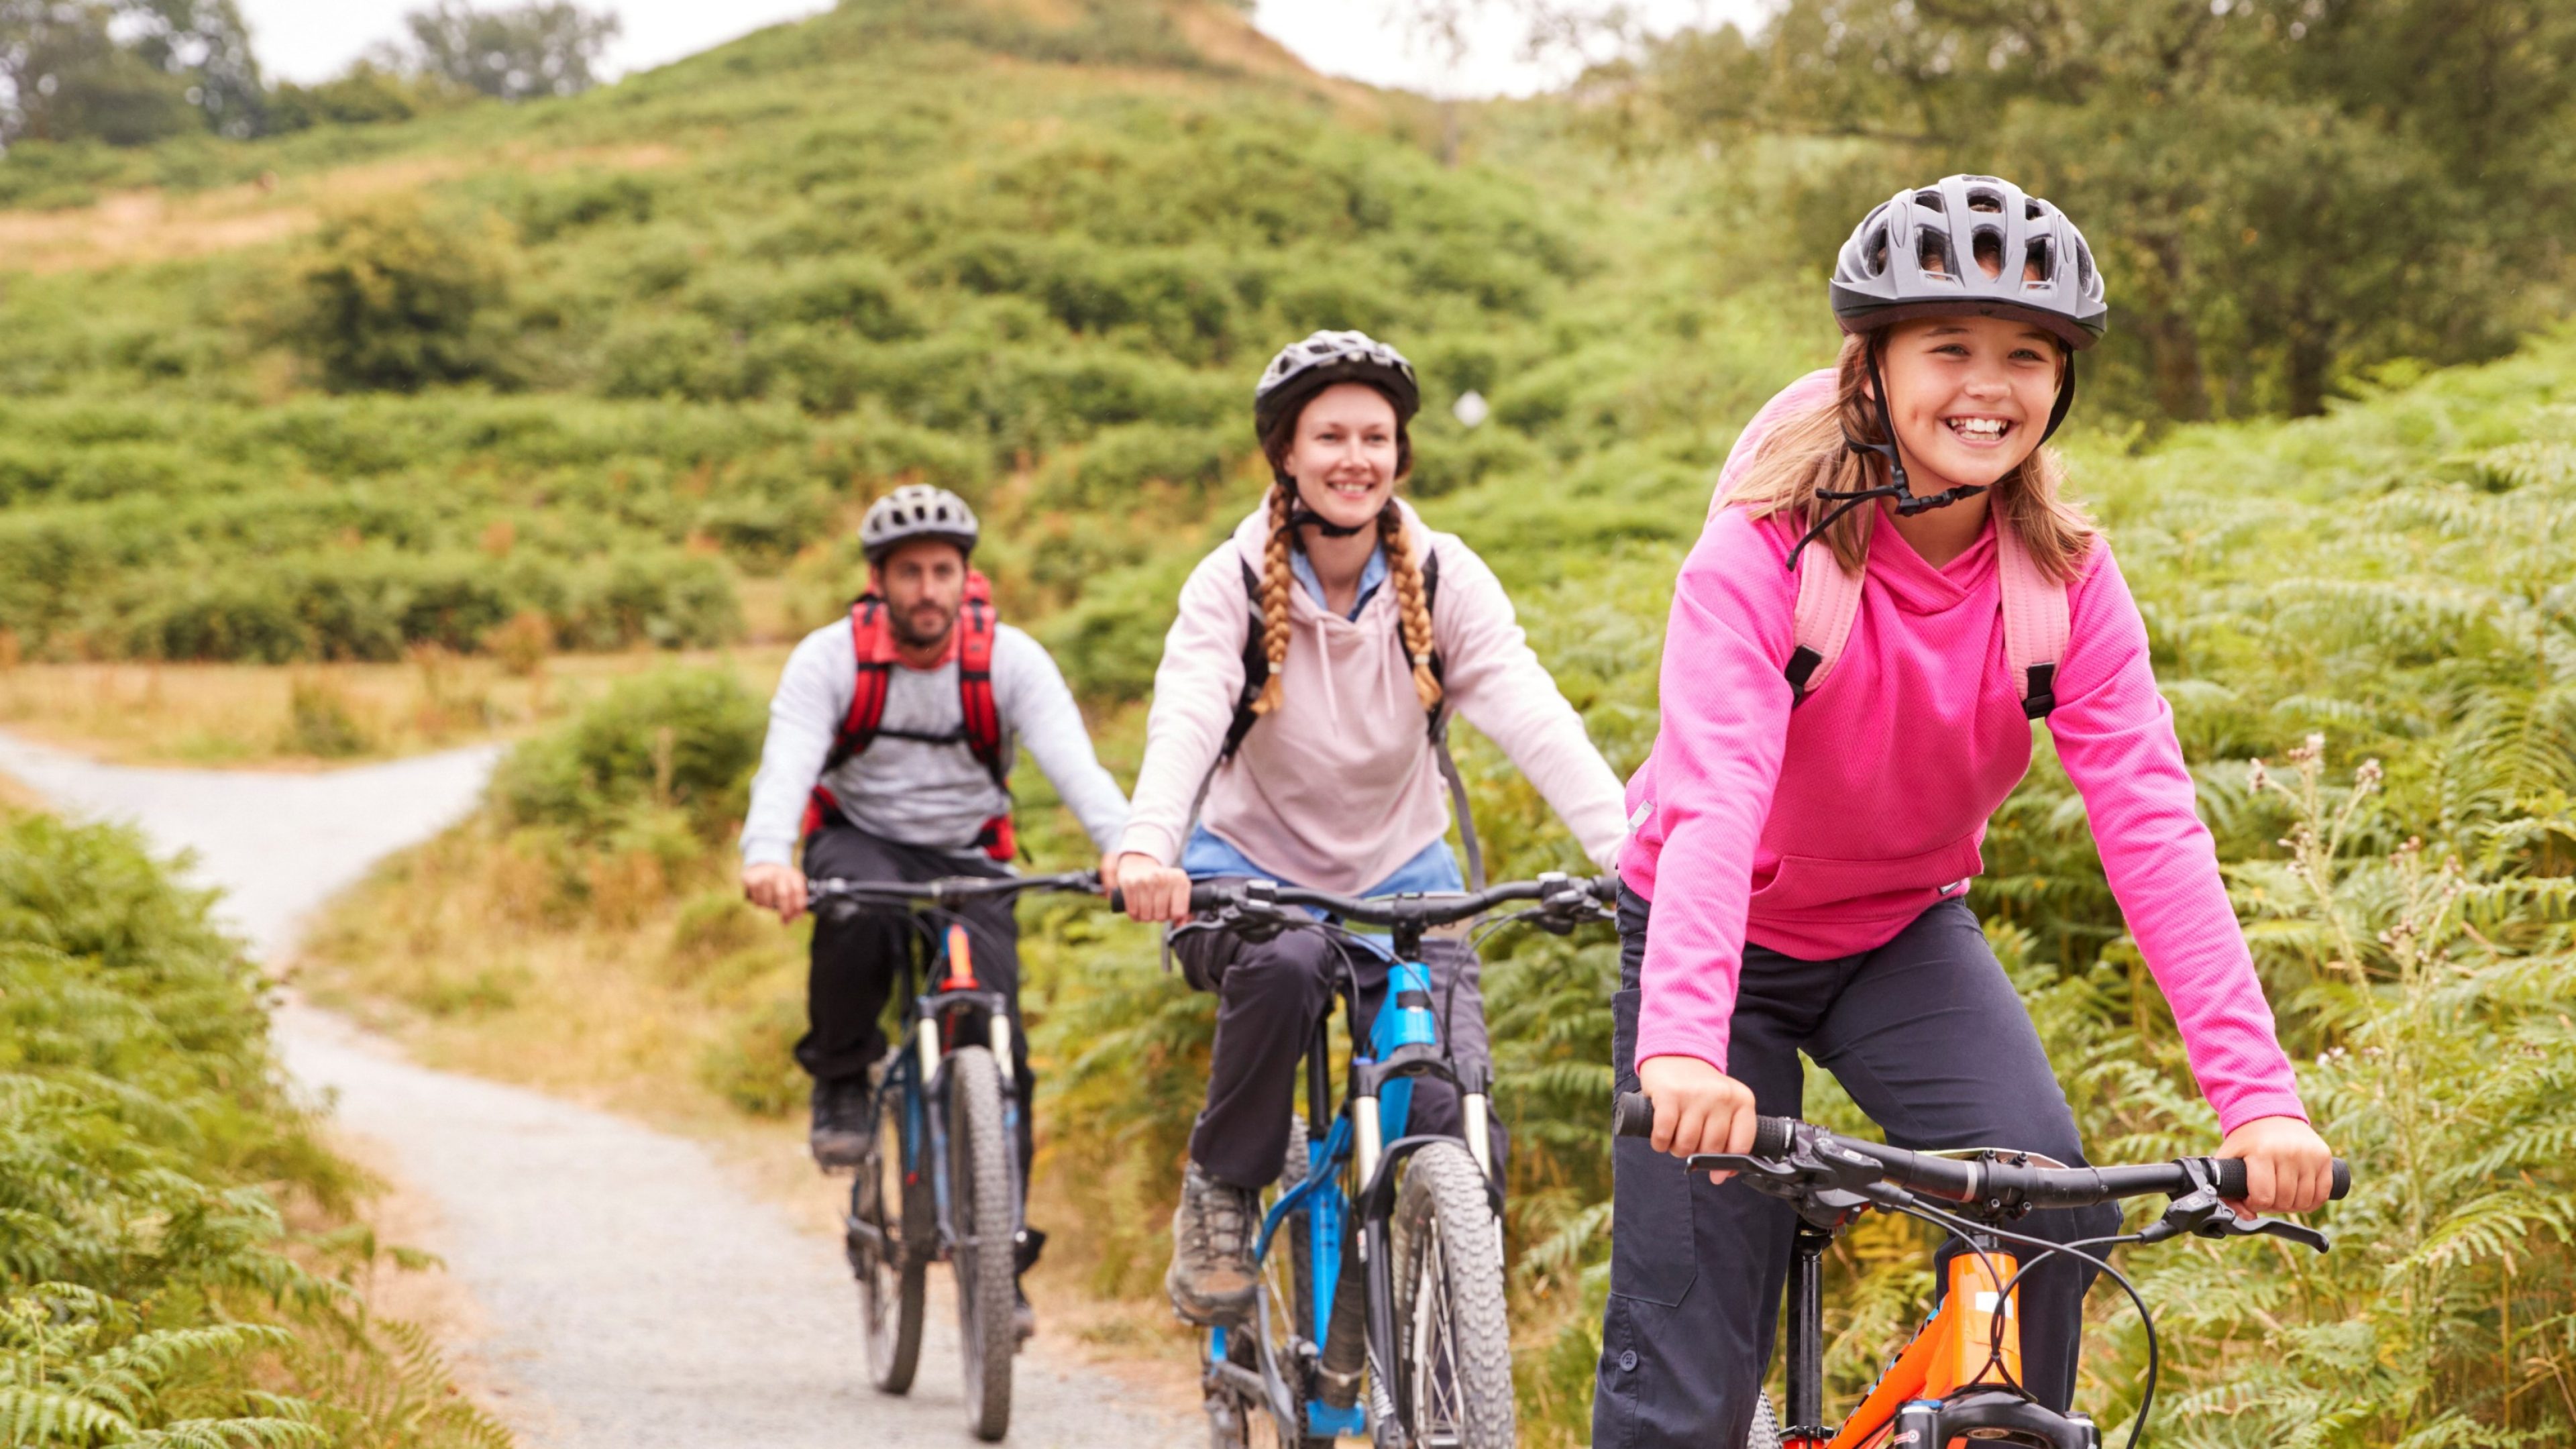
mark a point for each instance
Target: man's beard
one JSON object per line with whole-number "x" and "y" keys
{"x": 911, "y": 638}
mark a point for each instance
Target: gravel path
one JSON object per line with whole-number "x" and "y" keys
{"x": 636, "y": 1296}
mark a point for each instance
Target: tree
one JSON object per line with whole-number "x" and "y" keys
{"x": 2283, "y": 193}
{"x": 66, "y": 77}
{"x": 538, "y": 48}
{"x": 125, "y": 71}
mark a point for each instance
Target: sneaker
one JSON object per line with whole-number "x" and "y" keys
{"x": 840, "y": 1135}
{"x": 1024, "y": 1317}
{"x": 1212, "y": 1269}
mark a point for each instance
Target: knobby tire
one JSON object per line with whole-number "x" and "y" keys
{"x": 1766, "y": 1426}
{"x": 979, "y": 1187}
{"x": 1450, "y": 1325}
{"x": 894, "y": 1284}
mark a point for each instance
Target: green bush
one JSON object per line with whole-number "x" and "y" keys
{"x": 683, "y": 739}
{"x": 150, "y": 1291}
{"x": 395, "y": 296}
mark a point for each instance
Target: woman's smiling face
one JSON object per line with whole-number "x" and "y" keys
{"x": 1970, "y": 396}
{"x": 1345, "y": 453}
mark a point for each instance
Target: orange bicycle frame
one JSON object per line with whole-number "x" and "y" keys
{"x": 1955, "y": 1349}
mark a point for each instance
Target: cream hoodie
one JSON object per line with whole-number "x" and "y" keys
{"x": 1339, "y": 787}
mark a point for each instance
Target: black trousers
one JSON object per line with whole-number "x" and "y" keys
{"x": 1270, "y": 996}
{"x": 857, "y": 957}
{"x": 1928, "y": 1037}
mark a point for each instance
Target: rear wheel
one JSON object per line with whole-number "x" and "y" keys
{"x": 979, "y": 1189}
{"x": 1450, "y": 1329}
{"x": 1766, "y": 1426}
{"x": 892, "y": 1269}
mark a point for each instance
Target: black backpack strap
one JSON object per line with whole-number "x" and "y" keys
{"x": 1256, "y": 667}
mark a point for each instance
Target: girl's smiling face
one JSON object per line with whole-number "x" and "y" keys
{"x": 1970, "y": 396}
{"x": 1344, "y": 457}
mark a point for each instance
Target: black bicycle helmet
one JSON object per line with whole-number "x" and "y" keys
{"x": 1303, "y": 369}
{"x": 1924, "y": 251}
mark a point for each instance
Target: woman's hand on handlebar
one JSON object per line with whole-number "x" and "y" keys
{"x": 2288, "y": 1167}
{"x": 1154, "y": 891}
{"x": 779, "y": 888}
{"x": 1697, "y": 1108}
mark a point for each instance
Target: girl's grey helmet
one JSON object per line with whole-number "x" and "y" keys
{"x": 1303, "y": 369}
{"x": 916, "y": 510}
{"x": 1923, "y": 253}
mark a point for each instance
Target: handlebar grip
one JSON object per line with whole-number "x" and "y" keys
{"x": 1632, "y": 1115}
{"x": 1117, "y": 900}
{"x": 2231, "y": 1179}
{"x": 1774, "y": 1136}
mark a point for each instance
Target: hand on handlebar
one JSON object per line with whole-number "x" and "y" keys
{"x": 1153, "y": 891}
{"x": 2288, "y": 1167}
{"x": 1697, "y": 1108}
{"x": 779, "y": 888}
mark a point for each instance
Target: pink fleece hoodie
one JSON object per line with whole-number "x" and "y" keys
{"x": 1821, "y": 832}
{"x": 1339, "y": 787}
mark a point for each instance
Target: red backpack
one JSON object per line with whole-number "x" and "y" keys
{"x": 979, "y": 726}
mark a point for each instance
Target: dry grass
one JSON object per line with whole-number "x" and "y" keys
{"x": 274, "y": 716}
{"x": 149, "y": 225}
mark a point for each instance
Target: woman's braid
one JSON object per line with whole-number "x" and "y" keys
{"x": 1276, "y": 581}
{"x": 1397, "y": 540}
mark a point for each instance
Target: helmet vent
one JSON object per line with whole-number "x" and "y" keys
{"x": 1984, "y": 200}
{"x": 2035, "y": 266}
{"x": 1931, "y": 201}
{"x": 1878, "y": 252}
{"x": 1932, "y": 254}
{"x": 2083, "y": 267}
{"x": 2031, "y": 210}
{"x": 1989, "y": 247}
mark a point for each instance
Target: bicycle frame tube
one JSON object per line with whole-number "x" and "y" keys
{"x": 1955, "y": 1349}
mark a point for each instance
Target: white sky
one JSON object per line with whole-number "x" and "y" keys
{"x": 310, "y": 40}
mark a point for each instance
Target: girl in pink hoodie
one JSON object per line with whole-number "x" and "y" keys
{"x": 1801, "y": 850}
{"x": 1323, "y": 773}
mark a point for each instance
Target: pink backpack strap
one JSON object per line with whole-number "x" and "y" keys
{"x": 2036, "y": 622}
{"x": 1828, "y": 602}
{"x": 1808, "y": 393}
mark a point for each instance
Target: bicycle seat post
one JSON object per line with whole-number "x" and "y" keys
{"x": 1806, "y": 1348}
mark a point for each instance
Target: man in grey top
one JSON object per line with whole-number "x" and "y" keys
{"x": 913, "y": 794}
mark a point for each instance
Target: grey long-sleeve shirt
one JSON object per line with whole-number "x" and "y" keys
{"x": 912, "y": 791}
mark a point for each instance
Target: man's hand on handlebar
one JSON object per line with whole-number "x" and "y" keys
{"x": 2288, "y": 1167}
{"x": 1697, "y": 1108}
{"x": 779, "y": 888}
{"x": 1153, "y": 891}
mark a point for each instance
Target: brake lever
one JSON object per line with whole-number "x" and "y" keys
{"x": 2229, "y": 1225}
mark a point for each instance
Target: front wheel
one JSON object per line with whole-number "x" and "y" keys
{"x": 984, "y": 1255}
{"x": 891, "y": 1219}
{"x": 1450, "y": 1327}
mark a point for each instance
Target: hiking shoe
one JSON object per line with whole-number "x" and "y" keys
{"x": 840, "y": 1135}
{"x": 1024, "y": 1317}
{"x": 1212, "y": 1268}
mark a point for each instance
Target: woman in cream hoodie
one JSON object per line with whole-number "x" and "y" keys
{"x": 1334, "y": 785}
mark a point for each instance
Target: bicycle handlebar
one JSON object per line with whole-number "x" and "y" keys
{"x": 905, "y": 894}
{"x": 1269, "y": 898}
{"x": 1960, "y": 1180}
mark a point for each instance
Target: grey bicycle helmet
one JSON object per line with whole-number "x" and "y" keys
{"x": 1303, "y": 369}
{"x": 916, "y": 510}
{"x": 1923, "y": 253}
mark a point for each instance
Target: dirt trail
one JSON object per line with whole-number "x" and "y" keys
{"x": 634, "y": 1294}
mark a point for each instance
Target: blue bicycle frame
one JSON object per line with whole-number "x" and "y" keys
{"x": 1369, "y": 1135}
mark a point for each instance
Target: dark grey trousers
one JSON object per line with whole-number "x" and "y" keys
{"x": 855, "y": 958}
{"x": 1270, "y": 996}
{"x": 1928, "y": 1037}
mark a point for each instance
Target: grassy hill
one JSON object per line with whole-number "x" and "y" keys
{"x": 625, "y": 366}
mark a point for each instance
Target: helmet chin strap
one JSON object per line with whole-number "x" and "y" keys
{"x": 1301, "y": 516}
{"x": 1908, "y": 502}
